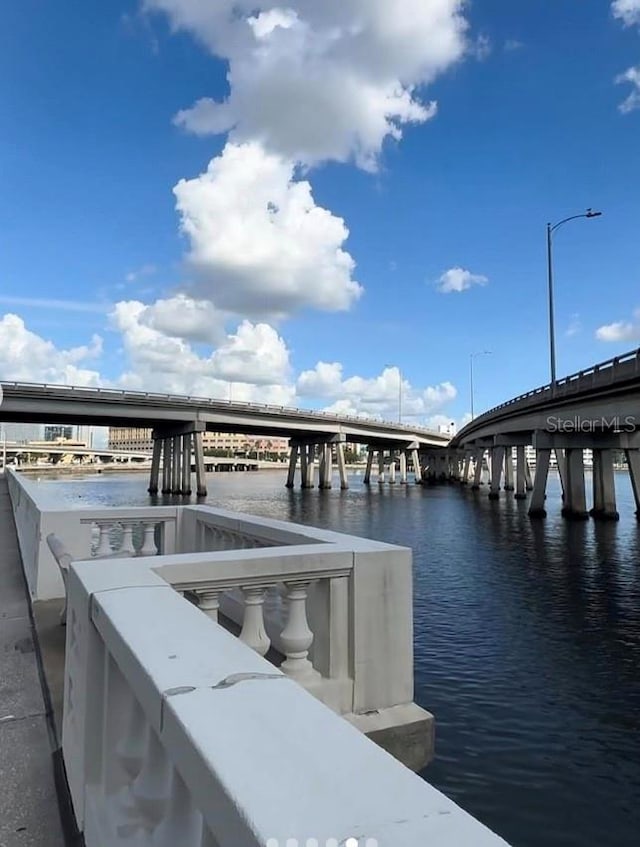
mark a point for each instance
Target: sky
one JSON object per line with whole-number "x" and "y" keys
{"x": 328, "y": 205}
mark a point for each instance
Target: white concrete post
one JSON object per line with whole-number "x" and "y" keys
{"x": 403, "y": 467}
{"x": 209, "y": 602}
{"x": 508, "y": 469}
{"x": 304, "y": 475}
{"x": 253, "y": 633}
{"x": 293, "y": 459}
{"x": 575, "y": 504}
{"x": 326, "y": 467}
{"x": 497, "y": 464}
{"x": 311, "y": 465}
{"x": 536, "y": 506}
{"x": 296, "y": 637}
{"x": 342, "y": 469}
{"x": 392, "y": 467}
{"x": 521, "y": 477}
{"x": 417, "y": 470}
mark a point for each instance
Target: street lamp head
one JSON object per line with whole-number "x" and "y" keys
{"x": 592, "y": 214}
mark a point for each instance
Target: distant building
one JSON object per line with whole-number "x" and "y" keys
{"x": 21, "y": 433}
{"x": 139, "y": 439}
{"x": 56, "y": 432}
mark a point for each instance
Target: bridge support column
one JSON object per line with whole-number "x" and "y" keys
{"x": 176, "y": 480}
{"x": 508, "y": 469}
{"x": 392, "y": 467}
{"x": 536, "y": 506}
{"x": 477, "y": 474}
{"x": 527, "y": 474}
{"x": 604, "y": 490}
{"x": 293, "y": 459}
{"x": 497, "y": 465}
{"x": 633, "y": 463}
{"x": 166, "y": 465}
{"x": 201, "y": 485}
{"x": 417, "y": 470}
{"x": 521, "y": 473}
{"x": 342, "y": 468}
{"x": 575, "y": 504}
{"x": 367, "y": 473}
{"x": 380, "y": 467}
{"x": 403, "y": 467}
{"x": 466, "y": 469}
{"x": 186, "y": 464}
{"x": 326, "y": 466}
{"x": 155, "y": 466}
{"x": 304, "y": 465}
{"x": 561, "y": 461}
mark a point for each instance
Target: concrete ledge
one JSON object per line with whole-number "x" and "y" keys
{"x": 406, "y": 731}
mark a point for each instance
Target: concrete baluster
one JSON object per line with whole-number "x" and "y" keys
{"x": 508, "y": 469}
{"x": 148, "y": 539}
{"x": 253, "y": 632}
{"x": 575, "y": 504}
{"x": 521, "y": 477}
{"x": 127, "y": 547}
{"x": 536, "y": 506}
{"x": 209, "y": 602}
{"x": 104, "y": 542}
{"x": 296, "y": 637}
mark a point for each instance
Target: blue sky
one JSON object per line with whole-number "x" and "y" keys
{"x": 244, "y": 282}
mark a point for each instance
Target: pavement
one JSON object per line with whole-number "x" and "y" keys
{"x": 29, "y": 810}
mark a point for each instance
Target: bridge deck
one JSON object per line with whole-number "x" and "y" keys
{"x": 29, "y": 813}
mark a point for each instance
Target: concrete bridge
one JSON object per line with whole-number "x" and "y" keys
{"x": 596, "y": 409}
{"x": 178, "y": 423}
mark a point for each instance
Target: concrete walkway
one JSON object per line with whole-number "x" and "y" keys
{"x": 29, "y": 812}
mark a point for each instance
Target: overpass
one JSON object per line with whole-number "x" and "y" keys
{"x": 179, "y": 421}
{"x": 597, "y": 408}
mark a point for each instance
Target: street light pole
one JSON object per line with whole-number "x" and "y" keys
{"x": 471, "y": 358}
{"x": 551, "y": 228}
{"x": 399, "y": 396}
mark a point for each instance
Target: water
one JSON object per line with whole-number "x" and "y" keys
{"x": 527, "y": 643}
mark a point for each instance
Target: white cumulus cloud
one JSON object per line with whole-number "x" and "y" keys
{"x": 378, "y": 396}
{"x": 620, "y": 330}
{"x": 259, "y": 244}
{"x": 458, "y": 279}
{"x": 627, "y": 10}
{"x": 27, "y": 357}
{"x": 632, "y": 101}
{"x": 320, "y": 80}
{"x": 183, "y": 317}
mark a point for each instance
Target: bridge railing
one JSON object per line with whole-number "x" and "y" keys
{"x": 147, "y": 396}
{"x": 609, "y": 372}
{"x": 174, "y": 732}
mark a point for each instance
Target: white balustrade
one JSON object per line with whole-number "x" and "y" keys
{"x": 296, "y": 637}
{"x": 253, "y": 633}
